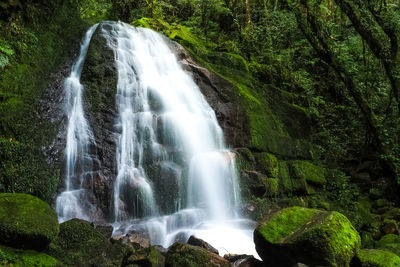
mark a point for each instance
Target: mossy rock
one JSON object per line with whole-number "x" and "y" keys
{"x": 244, "y": 159}
{"x": 26, "y": 221}
{"x": 184, "y": 255}
{"x": 140, "y": 256}
{"x": 289, "y": 184}
{"x": 80, "y": 244}
{"x": 18, "y": 257}
{"x": 99, "y": 74}
{"x": 267, "y": 164}
{"x": 390, "y": 242}
{"x": 271, "y": 186}
{"x": 375, "y": 258}
{"x": 310, "y": 236}
{"x": 308, "y": 171}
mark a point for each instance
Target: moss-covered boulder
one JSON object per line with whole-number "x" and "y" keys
{"x": 390, "y": 242}
{"x": 180, "y": 255}
{"x": 310, "y": 236}
{"x": 80, "y": 244}
{"x": 308, "y": 171}
{"x": 375, "y": 258}
{"x": 290, "y": 184}
{"x": 267, "y": 164}
{"x": 139, "y": 256}
{"x": 18, "y": 257}
{"x": 26, "y": 221}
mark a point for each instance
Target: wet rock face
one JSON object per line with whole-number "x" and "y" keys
{"x": 222, "y": 97}
{"x": 194, "y": 241}
{"x": 99, "y": 78}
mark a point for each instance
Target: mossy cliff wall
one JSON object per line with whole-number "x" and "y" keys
{"x": 30, "y": 109}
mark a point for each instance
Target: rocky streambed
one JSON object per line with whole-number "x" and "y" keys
{"x": 294, "y": 236}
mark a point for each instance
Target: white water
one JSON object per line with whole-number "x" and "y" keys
{"x": 73, "y": 202}
{"x": 175, "y": 176}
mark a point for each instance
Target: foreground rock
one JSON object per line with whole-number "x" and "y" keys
{"x": 243, "y": 260}
{"x": 180, "y": 254}
{"x": 194, "y": 241}
{"x": 26, "y": 221}
{"x": 309, "y": 236}
{"x": 149, "y": 257}
{"x": 375, "y": 258}
{"x": 80, "y": 244}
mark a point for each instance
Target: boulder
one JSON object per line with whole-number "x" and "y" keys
{"x": 105, "y": 229}
{"x": 267, "y": 164}
{"x": 307, "y": 171}
{"x": 180, "y": 254}
{"x": 80, "y": 244}
{"x": 288, "y": 183}
{"x": 310, "y": 236}
{"x": 26, "y": 221}
{"x": 149, "y": 257}
{"x": 375, "y": 258}
{"x": 243, "y": 260}
{"x": 194, "y": 241}
{"x": 390, "y": 242}
{"x": 18, "y": 257}
{"x": 134, "y": 237}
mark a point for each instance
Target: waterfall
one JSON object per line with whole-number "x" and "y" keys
{"x": 74, "y": 201}
{"x": 174, "y": 174}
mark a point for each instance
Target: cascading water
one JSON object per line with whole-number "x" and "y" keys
{"x": 175, "y": 176}
{"x": 74, "y": 201}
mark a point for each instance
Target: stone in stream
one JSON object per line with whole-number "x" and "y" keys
{"x": 194, "y": 241}
{"x": 180, "y": 254}
{"x": 26, "y": 221}
{"x": 310, "y": 236}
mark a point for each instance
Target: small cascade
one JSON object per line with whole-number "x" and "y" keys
{"x": 175, "y": 176}
{"x": 75, "y": 201}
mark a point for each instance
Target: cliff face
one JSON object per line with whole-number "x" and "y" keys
{"x": 99, "y": 79}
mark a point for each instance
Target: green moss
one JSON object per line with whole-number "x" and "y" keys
{"x": 310, "y": 236}
{"x": 285, "y": 223}
{"x": 272, "y": 185}
{"x": 268, "y": 164}
{"x": 337, "y": 237}
{"x": 388, "y": 239}
{"x": 377, "y": 258}
{"x": 244, "y": 159}
{"x": 39, "y": 50}
{"x": 99, "y": 76}
{"x": 26, "y": 221}
{"x": 79, "y": 243}
{"x": 150, "y": 256}
{"x": 308, "y": 171}
{"x": 289, "y": 184}
{"x": 17, "y": 257}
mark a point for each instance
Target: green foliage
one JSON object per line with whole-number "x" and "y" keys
{"x": 93, "y": 11}
{"x": 17, "y": 257}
